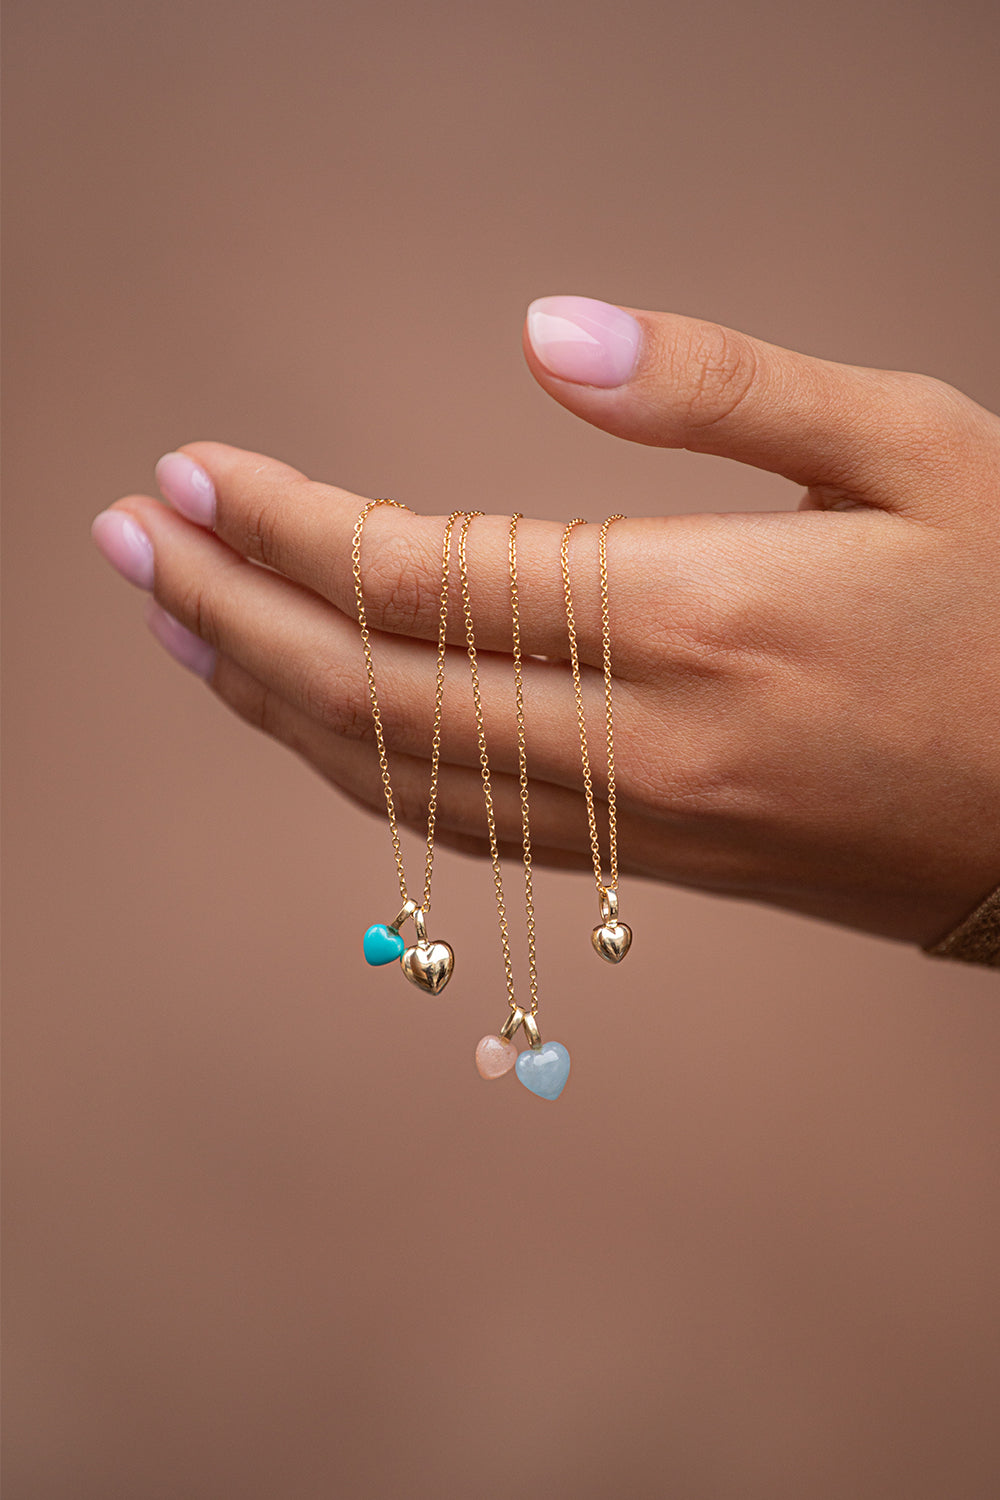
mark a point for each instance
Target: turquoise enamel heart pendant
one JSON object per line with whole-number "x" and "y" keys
{"x": 382, "y": 944}
{"x": 426, "y": 964}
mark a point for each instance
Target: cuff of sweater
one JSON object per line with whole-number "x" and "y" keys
{"x": 977, "y": 939}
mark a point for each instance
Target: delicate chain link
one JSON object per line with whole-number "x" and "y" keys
{"x": 588, "y": 785}
{"x": 574, "y": 656}
{"x": 383, "y": 759}
{"x": 438, "y": 705}
{"x": 609, "y": 721}
{"x": 522, "y": 764}
{"x": 484, "y": 762}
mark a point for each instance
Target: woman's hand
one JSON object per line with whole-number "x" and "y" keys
{"x": 807, "y": 703}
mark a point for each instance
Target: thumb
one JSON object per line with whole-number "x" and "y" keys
{"x": 676, "y": 382}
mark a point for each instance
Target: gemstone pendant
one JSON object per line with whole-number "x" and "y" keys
{"x": 544, "y": 1069}
{"x": 495, "y": 1056}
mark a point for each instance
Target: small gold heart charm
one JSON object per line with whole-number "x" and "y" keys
{"x": 612, "y": 941}
{"x": 428, "y": 965}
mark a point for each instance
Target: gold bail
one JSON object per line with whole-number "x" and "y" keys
{"x": 406, "y": 911}
{"x": 419, "y": 924}
{"x": 531, "y": 1031}
{"x": 609, "y": 906}
{"x": 511, "y": 1024}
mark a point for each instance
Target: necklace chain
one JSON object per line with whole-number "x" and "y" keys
{"x": 383, "y": 758}
{"x": 588, "y": 785}
{"x": 467, "y": 517}
{"x": 484, "y": 763}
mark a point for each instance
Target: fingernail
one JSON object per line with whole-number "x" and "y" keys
{"x": 125, "y": 545}
{"x": 179, "y": 642}
{"x": 583, "y": 340}
{"x": 188, "y": 487}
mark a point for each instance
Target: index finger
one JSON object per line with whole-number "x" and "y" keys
{"x": 273, "y": 514}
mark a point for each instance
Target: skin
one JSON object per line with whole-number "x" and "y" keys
{"x": 806, "y": 703}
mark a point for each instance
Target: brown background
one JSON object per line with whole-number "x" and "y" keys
{"x": 269, "y": 1235}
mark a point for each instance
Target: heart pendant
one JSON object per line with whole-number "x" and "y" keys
{"x": 428, "y": 966}
{"x": 495, "y": 1056}
{"x": 544, "y": 1070}
{"x": 382, "y": 944}
{"x": 612, "y": 941}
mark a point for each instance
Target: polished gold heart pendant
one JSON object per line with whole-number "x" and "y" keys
{"x": 428, "y": 965}
{"x": 612, "y": 941}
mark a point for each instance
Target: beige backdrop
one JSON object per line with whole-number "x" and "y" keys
{"x": 269, "y": 1235}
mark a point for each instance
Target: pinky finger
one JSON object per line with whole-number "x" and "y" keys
{"x": 180, "y": 643}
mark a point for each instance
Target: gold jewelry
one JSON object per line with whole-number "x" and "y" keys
{"x": 613, "y": 938}
{"x": 543, "y": 1068}
{"x": 426, "y": 964}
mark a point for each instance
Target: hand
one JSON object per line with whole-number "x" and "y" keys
{"x": 806, "y": 703}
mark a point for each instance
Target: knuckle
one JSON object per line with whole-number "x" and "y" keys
{"x": 928, "y": 393}
{"x": 195, "y": 609}
{"x": 702, "y": 639}
{"x": 933, "y": 420}
{"x": 687, "y": 780}
{"x": 714, "y": 368}
{"x": 701, "y": 778}
{"x": 262, "y": 531}
{"x": 402, "y": 585}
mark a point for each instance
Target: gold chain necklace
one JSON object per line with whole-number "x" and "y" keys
{"x": 429, "y": 965}
{"x": 543, "y": 1068}
{"x": 613, "y": 938}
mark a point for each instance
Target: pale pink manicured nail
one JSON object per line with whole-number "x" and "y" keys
{"x": 188, "y": 487}
{"x": 125, "y": 545}
{"x": 182, "y": 644}
{"x": 580, "y": 339}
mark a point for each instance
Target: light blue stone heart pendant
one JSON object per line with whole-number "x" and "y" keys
{"x": 544, "y": 1069}
{"x": 382, "y": 944}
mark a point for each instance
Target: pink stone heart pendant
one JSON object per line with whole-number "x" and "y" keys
{"x": 495, "y": 1057}
{"x": 612, "y": 941}
{"x": 428, "y": 965}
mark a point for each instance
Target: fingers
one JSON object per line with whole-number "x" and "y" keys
{"x": 305, "y": 651}
{"x": 272, "y": 514}
{"x": 479, "y": 848}
{"x": 678, "y": 382}
{"x": 559, "y": 827}
{"x": 558, "y": 814}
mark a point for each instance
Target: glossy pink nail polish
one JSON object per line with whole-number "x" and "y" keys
{"x": 583, "y": 340}
{"x": 188, "y": 487}
{"x": 125, "y": 545}
{"x": 180, "y": 643}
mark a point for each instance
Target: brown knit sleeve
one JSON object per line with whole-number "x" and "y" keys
{"x": 977, "y": 939}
